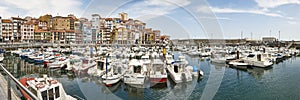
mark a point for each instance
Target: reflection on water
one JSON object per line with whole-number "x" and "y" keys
{"x": 282, "y": 79}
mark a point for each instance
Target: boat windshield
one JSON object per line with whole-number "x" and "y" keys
{"x": 100, "y": 65}
{"x": 57, "y": 94}
{"x": 137, "y": 69}
{"x": 251, "y": 55}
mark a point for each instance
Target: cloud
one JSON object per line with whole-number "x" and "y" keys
{"x": 152, "y": 8}
{"x": 275, "y": 3}
{"x": 292, "y": 22}
{"x": 215, "y": 18}
{"x": 259, "y": 12}
{"x": 37, "y": 8}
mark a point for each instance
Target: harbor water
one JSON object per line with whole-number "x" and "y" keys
{"x": 219, "y": 82}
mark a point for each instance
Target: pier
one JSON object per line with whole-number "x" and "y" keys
{"x": 13, "y": 46}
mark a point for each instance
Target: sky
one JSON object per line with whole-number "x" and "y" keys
{"x": 181, "y": 19}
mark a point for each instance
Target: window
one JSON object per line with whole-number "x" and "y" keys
{"x": 57, "y": 94}
{"x": 51, "y": 94}
{"x": 44, "y": 95}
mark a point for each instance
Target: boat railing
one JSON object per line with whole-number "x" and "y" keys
{"x": 11, "y": 77}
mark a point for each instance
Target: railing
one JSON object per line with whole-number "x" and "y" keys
{"x": 11, "y": 77}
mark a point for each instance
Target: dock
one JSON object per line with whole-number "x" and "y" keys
{"x": 3, "y": 92}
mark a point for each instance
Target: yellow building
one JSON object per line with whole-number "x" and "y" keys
{"x": 61, "y": 23}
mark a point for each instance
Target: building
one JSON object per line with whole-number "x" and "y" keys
{"x": 7, "y": 30}
{"x": 61, "y": 23}
{"x": 27, "y": 32}
{"x": 46, "y": 19}
{"x": 70, "y": 36}
{"x": 42, "y": 36}
{"x": 269, "y": 39}
{"x": 17, "y": 23}
{"x": 96, "y": 23}
{"x": 157, "y": 35}
{"x": 78, "y": 31}
{"x": 1, "y": 40}
{"x": 123, "y": 16}
{"x": 58, "y": 36}
{"x": 87, "y": 32}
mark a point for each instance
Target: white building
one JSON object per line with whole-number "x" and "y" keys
{"x": 1, "y": 29}
{"x": 7, "y": 27}
{"x": 96, "y": 24}
{"x": 17, "y": 23}
{"x": 27, "y": 32}
{"x": 70, "y": 36}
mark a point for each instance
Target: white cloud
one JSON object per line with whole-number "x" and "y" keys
{"x": 37, "y": 8}
{"x": 203, "y": 9}
{"x": 275, "y": 3}
{"x": 259, "y": 12}
{"x": 292, "y": 22}
{"x": 215, "y": 18}
{"x": 152, "y": 8}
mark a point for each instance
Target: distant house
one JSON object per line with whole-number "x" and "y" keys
{"x": 269, "y": 39}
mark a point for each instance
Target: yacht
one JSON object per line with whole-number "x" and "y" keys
{"x": 258, "y": 60}
{"x": 179, "y": 72}
{"x": 158, "y": 73}
{"x": 115, "y": 74}
{"x": 1, "y": 57}
{"x": 169, "y": 59}
{"x": 44, "y": 88}
{"x": 102, "y": 65}
{"x": 136, "y": 73}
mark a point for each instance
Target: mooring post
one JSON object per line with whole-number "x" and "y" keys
{"x": 8, "y": 89}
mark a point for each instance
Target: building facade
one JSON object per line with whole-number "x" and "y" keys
{"x": 17, "y": 24}
{"x": 7, "y": 30}
{"x": 61, "y": 23}
{"x": 27, "y": 32}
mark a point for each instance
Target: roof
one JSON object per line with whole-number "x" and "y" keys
{"x": 41, "y": 31}
{"x": 58, "y": 31}
{"x": 6, "y": 21}
{"x": 17, "y": 18}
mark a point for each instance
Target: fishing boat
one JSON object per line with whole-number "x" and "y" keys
{"x": 44, "y": 88}
{"x": 169, "y": 59}
{"x": 115, "y": 74}
{"x": 136, "y": 74}
{"x": 1, "y": 57}
{"x": 102, "y": 65}
{"x": 258, "y": 60}
{"x": 179, "y": 72}
{"x": 60, "y": 62}
{"x": 158, "y": 73}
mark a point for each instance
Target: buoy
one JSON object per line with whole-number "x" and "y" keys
{"x": 40, "y": 85}
{"x": 53, "y": 81}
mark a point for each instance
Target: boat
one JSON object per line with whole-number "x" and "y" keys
{"x": 44, "y": 88}
{"x": 1, "y": 57}
{"x": 158, "y": 73}
{"x": 179, "y": 72}
{"x": 169, "y": 59}
{"x": 136, "y": 74}
{"x": 83, "y": 66}
{"x": 60, "y": 62}
{"x": 115, "y": 74}
{"x": 100, "y": 68}
{"x": 258, "y": 60}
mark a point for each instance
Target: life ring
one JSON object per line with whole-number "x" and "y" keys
{"x": 53, "y": 81}
{"x": 40, "y": 85}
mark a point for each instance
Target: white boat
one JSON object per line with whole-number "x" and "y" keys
{"x": 136, "y": 74}
{"x": 182, "y": 59}
{"x": 158, "y": 73}
{"x": 169, "y": 59}
{"x": 1, "y": 57}
{"x": 257, "y": 60}
{"x": 115, "y": 74}
{"x": 179, "y": 72}
{"x": 101, "y": 65}
{"x": 44, "y": 88}
{"x": 60, "y": 62}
